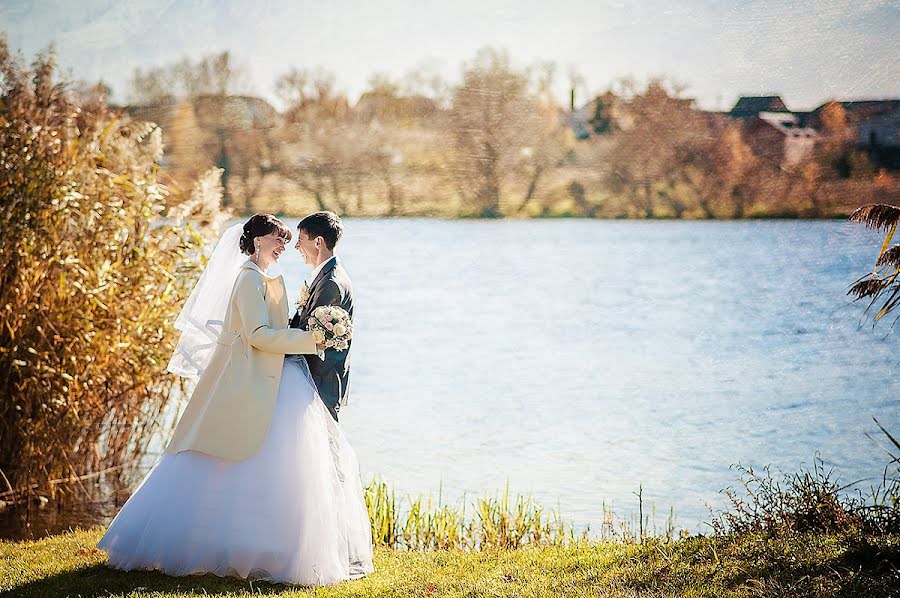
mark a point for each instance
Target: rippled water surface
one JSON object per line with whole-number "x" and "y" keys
{"x": 581, "y": 359}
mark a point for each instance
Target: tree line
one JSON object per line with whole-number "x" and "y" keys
{"x": 495, "y": 143}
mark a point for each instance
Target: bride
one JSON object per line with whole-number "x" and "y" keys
{"x": 258, "y": 480}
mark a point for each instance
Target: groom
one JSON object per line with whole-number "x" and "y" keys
{"x": 317, "y": 236}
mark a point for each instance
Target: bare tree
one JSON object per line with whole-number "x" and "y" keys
{"x": 382, "y": 84}
{"x": 426, "y": 81}
{"x": 214, "y": 74}
{"x": 656, "y": 149}
{"x": 491, "y": 108}
{"x": 292, "y": 87}
{"x": 310, "y": 95}
{"x": 719, "y": 171}
{"x": 320, "y": 161}
{"x": 222, "y": 73}
{"x": 154, "y": 87}
{"x": 542, "y": 133}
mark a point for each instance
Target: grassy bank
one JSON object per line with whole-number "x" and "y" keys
{"x": 850, "y": 564}
{"x": 798, "y": 534}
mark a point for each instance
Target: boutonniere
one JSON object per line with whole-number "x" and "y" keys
{"x": 304, "y": 297}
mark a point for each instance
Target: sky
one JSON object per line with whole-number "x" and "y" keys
{"x": 806, "y": 51}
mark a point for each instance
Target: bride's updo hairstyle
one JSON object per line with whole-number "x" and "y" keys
{"x": 261, "y": 225}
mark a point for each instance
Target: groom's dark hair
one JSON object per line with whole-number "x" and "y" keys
{"x": 323, "y": 224}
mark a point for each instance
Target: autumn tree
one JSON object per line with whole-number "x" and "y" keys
{"x": 543, "y": 134}
{"x": 320, "y": 161}
{"x": 669, "y": 158}
{"x": 496, "y": 128}
{"x": 662, "y": 136}
{"x": 719, "y": 171}
{"x": 836, "y": 145}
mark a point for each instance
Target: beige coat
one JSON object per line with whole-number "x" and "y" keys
{"x": 230, "y": 409}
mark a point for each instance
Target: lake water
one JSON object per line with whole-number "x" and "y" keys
{"x": 578, "y": 360}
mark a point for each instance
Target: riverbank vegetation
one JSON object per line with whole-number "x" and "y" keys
{"x": 96, "y": 258}
{"x": 800, "y": 534}
{"x": 796, "y": 534}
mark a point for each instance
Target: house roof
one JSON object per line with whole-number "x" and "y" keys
{"x": 748, "y": 106}
{"x": 862, "y": 110}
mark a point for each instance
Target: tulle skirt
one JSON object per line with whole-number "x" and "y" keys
{"x": 294, "y": 512}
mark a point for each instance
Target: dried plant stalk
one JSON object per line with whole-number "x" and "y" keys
{"x": 91, "y": 284}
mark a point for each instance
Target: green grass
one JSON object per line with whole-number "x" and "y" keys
{"x": 848, "y": 564}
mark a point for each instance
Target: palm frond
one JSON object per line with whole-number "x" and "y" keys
{"x": 877, "y": 216}
{"x": 870, "y": 286}
{"x": 891, "y": 257}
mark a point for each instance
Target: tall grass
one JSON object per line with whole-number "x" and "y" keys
{"x": 91, "y": 282}
{"x": 808, "y": 501}
{"x": 500, "y": 522}
{"x": 494, "y": 523}
{"x": 883, "y": 506}
{"x": 813, "y": 501}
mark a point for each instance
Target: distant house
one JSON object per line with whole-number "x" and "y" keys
{"x": 599, "y": 116}
{"x": 780, "y": 137}
{"x": 775, "y": 133}
{"x": 877, "y": 127}
{"x": 881, "y": 136}
{"x": 882, "y": 131}
{"x": 748, "y": 107}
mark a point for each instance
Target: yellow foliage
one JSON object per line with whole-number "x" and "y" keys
{"x": 91, "y": 284}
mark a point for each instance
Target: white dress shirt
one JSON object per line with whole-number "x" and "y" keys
{"x": 316, "y": 270}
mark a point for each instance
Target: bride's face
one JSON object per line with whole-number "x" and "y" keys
{"x": 271, "y": 247}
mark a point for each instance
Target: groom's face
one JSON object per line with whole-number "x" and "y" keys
{"x": 307, "y": 246}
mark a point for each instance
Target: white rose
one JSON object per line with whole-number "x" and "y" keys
{"x": 339, "y": 329}
{"x": 319, "y": 337}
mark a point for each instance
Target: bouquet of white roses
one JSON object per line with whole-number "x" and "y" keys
{"x": 331, "y": 327}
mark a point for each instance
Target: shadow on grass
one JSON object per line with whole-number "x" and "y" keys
{"x": 844, "y": 566}
{"x": 100, "y": 580}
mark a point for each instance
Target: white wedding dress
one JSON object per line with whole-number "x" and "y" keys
{"x": 294, "y": 512}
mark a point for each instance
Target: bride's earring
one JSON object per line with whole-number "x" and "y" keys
{"x": 256, "y": 255}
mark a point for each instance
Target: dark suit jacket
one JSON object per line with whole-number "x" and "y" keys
{"x": 332, "y": 374}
